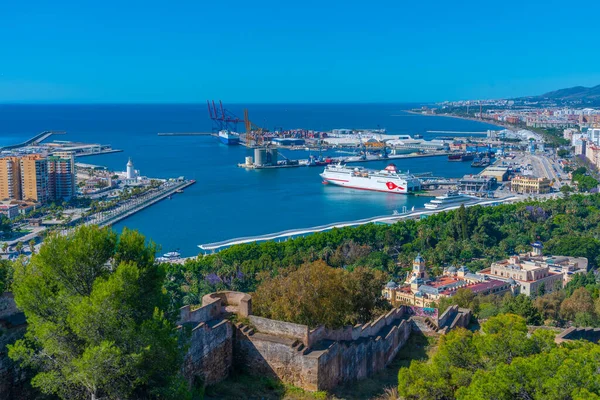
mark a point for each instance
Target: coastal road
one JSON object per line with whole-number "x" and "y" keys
{"x": 548, "y": 169}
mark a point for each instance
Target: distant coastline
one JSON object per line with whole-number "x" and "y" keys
{"x": 495, "y": 123}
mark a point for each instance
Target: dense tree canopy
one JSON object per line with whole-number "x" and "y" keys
{"x": 316, "y": 294}
{"x": 463, "y": 356}
{"x": 95, "y": 329}
{"x": 474, "y": 236}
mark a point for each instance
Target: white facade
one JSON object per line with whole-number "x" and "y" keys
{"x": 130, "y": 170}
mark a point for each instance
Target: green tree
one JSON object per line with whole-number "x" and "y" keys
{"x": 31, "y": 245}
{"x": 522, "y": 305}
{"x": 94, "y": 328}
{"x": 463, "y": 356}
{"x": 19, "y": 247}
{"x": 317, "y": 294}
{"x": 580, "y": 304}
{"x": 5, "y": 275}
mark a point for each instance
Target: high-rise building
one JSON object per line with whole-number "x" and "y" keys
{"x": 34, "y": 178}
{"x": 61, "y": 176}
{"x": 10, "y": 178}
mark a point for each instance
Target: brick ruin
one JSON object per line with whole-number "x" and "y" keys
{"x": 313, "y": 359}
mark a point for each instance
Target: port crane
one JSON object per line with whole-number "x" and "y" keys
{"x": 222, "y": 118}
{"x": 253, "y": 131}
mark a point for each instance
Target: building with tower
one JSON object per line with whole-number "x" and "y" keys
{"x": 422, "y": 291}
{"x": 533, "y": 273}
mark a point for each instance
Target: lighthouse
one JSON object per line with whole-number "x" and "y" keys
{"x": 130, "y": 170}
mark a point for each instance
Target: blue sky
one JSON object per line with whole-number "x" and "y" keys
{"x": 294, "y": 51}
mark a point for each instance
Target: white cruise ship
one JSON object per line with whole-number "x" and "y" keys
{"x": 448, "y": 199}
{"x": 388, "y": 180}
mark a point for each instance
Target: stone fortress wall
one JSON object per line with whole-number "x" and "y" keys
{"x": 313, "y": 359}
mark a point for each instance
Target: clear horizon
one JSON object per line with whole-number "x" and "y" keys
{"x": 268, "y": 53}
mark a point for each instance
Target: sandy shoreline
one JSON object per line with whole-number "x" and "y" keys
{"x": 495, "y": 123}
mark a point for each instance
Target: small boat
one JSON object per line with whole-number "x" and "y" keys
{"x": 179, "y": 191}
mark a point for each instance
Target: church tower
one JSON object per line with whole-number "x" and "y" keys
{"x": 418, "y": 271}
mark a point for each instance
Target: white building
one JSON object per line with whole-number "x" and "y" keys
{"x": 130, "y": 170}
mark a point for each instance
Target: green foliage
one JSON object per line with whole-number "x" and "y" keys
{"x": 6, "y": 269}
{"x": 562, "y": 153}
{"x": 522, "y": 305}
{"x": 585, "y": 183}
{"x": 464, "y": 356}
{"x": 94, "y": 329}
{"x": 566, "y": 372}
{"x": 5, "y": 224}
{"x": 568, "y": 227}
{"x": 316, "y": 294}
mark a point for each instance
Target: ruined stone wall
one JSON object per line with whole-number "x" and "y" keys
{"x": 13, "y": 379}
{"x": 267, "y": 355}
{"x": 280, "y": 328}
{"x": 358, "y": 331}
{"x": 347, "y": 361}
{"x": 317, "y": 359}
{"x": 589, "y": 334}
{"x": 448, "y": 315}
{"x": 202, "y": 314}
{"x": 210, "y": 355}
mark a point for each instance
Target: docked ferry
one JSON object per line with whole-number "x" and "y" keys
{"x": 448, "y": 199}
{"x": 229, "y": 138}
{"x": 389, "y": 180}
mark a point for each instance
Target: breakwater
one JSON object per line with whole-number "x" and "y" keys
{"x": 216, "y": 246}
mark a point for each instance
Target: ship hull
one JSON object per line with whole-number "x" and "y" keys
{"x": 229, "y": 141}
{"x": 374, "y": 185}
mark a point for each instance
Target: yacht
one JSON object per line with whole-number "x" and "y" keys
{"x": 451, "y": 198}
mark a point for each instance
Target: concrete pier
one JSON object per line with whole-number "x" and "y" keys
{"x": 389, "y": 219}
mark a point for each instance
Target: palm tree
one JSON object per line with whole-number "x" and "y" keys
{"x": 19, "y": 247}
{"x": 32, "y": 246}
{"x": 5, "y": 247}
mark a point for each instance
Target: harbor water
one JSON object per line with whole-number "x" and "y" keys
{"x": 227, "y": 201}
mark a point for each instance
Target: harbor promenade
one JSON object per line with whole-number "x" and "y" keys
{"x": 388, "y": 219}
{"x": 137, "y": 204}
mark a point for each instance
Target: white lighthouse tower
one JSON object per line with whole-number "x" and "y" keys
{"x": 130, "y": 170}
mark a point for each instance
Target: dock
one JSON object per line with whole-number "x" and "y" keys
{"x": 36, "y": 139}
{"x": 98, "y": 153}
{"x": 458, "y": 132}
{"x": 185, "y": 134}
{"x": 111, "y": 217}
{"x": 345, "y": 160}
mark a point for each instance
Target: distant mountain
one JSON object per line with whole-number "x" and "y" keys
{"x": 577, "y": 94}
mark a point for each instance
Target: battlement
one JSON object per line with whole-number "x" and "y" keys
{"x": 589, "y": 334}
{"x": 314, "y": 359}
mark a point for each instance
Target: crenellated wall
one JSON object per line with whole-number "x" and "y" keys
{"x": 317, "y": 359}
{"x": 589, "y": 334}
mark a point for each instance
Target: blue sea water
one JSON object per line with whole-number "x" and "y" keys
{"x": 227, "y": 201}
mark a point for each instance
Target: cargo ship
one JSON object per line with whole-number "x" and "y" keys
{"x": 461, "y": 157}
{"x": 229, "y": 138}
{"x": 388, "y": 180}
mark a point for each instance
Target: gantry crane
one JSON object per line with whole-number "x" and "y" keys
{"x": 253, "y": 132}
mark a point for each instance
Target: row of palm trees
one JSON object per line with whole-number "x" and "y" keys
{"x": 19, "y": 247}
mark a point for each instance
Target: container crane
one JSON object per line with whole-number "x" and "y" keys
{"x": 253, "y": 132}
{"x": 222, "y": 118}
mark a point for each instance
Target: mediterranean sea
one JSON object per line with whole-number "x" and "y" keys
{"x": 226, "y": 201}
